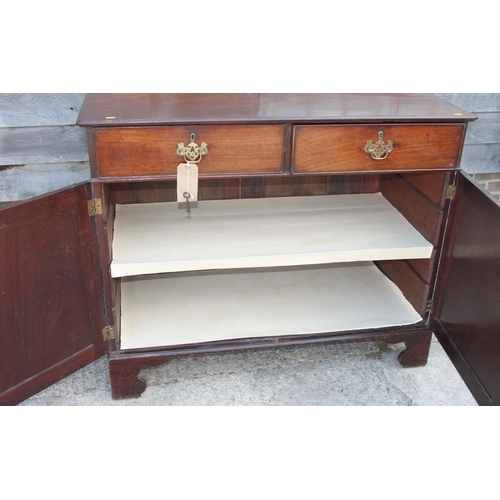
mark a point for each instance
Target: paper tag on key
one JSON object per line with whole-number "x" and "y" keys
{"x": 187, "y": 182}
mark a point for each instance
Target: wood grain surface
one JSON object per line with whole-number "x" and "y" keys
{"x": 174, "y": 109}
{"x": 341, "y": 148}
{"x": 150, "y": 152}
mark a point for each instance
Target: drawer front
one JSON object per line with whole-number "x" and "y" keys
{"x": 342, "y": 148}
{"x": 151, "y": 152}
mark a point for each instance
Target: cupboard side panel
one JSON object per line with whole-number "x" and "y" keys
{"x": 420, "y": 198}
{"x": 424, "y": 267}
{"x": 414, "y": 289}
{"x": 422, "y": 214}
{"x": 431, "y": 184}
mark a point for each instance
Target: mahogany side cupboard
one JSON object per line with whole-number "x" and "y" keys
{"x": 222, "y": 222}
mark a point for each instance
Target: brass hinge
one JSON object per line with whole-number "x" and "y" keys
{"x": 450, "y": 192}
{"x": 95, "y": 207}
{"x": 430, "y": 305}
{"x": 108, "y": 333}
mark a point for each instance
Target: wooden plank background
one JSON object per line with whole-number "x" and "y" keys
{"x": 482, "y": 143}
{"x": 42, "y": 149}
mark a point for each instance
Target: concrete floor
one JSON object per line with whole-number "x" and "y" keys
{"x": 353, "y": 374}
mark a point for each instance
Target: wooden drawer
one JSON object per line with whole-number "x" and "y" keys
{"x": 341, "y": 148}
{"x": 150, "y": 152}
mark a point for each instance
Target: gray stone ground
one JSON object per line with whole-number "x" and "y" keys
{"x": 352, "y": 374}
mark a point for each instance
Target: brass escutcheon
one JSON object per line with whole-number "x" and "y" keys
{"x": 192, "y": 153}
{"x": 379, "y": 150}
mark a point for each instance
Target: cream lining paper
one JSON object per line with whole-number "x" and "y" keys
{"x": 158, "y": 237}
{"x": 183, "y": 308}
{"x": 215, "y": 276}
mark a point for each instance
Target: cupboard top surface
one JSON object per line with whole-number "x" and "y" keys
{"x": 171, "y": 109}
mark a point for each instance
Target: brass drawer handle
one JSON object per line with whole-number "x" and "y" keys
{"x": 379, "y": 150}
{"x": 192, "y": 153}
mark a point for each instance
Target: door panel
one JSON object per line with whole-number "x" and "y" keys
{"x": 50, "y": 293}
{"x": 468, "y": 295}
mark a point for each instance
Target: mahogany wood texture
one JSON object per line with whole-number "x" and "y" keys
{"x": 467, "y": 315}
{"x": 50, "y": 295}
{"x": 422, "y": 214}
{"x": 103, "y": 230}
{"x": 424, "y": 268}
{"x": 340, "y": 148}
{"x": 417, "y": 348}
{"x": 320, "y": 134}
{"x": 431, "y": 184}
{"x": 236, "y": 188}
{"x": 124, "y": 374}
{"x": 101, "y": 110}
{"x": 150, "y": 152}
{"x": 420, "y": 197}
{"x": 125, "y": 366}
{"x": 409, "y": 282}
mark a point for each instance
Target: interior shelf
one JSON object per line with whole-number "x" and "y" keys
{"x": 184, "y": 308}
{"x": 266, "y": 232}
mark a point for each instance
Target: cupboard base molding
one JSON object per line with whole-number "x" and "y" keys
{"x": 124, "y": 374}
{"x": 417, "y": 350}
{"x": 125, "y": 367}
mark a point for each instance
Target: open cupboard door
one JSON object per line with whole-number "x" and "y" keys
{"x": 466, "y": 318}
{"x": 51, "y": 309}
